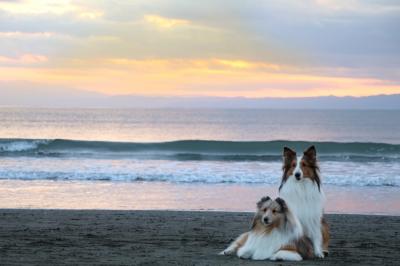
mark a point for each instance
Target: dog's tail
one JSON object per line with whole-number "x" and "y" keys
{"x": 325, "y": 236}
{"x": 305, "y": 248}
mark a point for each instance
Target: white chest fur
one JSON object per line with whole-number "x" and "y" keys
{"x": 306, "y": 201}
{"x": 264, "y": 246}
{"x": 304, "y": 198}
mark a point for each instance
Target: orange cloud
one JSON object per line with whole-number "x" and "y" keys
{"x": 206, "y": 77}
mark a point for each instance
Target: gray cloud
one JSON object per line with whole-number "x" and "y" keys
{"x": 358, "y": 35}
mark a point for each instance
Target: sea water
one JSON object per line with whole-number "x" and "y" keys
{"x": 197, "y": 147}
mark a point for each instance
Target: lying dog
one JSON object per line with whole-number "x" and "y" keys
{"x": 276, "y": 234}
{"x": 301, "y": 189}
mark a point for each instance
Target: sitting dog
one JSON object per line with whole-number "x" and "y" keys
{"x": 276, "y": 234}
{"x": 302, "y": 191}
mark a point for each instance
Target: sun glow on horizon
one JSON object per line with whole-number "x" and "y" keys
{"x": 213, "y": 77}
{"x": 160, "y": 49}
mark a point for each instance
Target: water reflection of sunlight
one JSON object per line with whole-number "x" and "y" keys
{"x": 169, "y": 196}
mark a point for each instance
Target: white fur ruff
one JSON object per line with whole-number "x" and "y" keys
{"x": 263, "y": 246}
{"x": 307, "y": 203}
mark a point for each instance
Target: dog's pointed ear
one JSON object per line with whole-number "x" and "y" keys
{"x": 288, "y": 153}
{"x": 311, "y": 153}
{"x": 282, "y": 204}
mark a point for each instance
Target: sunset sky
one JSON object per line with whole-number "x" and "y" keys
{"x": 226, "y": 48}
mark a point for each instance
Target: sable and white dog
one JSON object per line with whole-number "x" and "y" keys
{"x": 276, "y": 234}
{"x": 301, "y": 189}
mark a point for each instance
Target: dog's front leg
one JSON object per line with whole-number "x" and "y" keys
{"x": 316, "y": 238}
{"x": 233, "y": 248}
{"x": 244, "y": 253}
{"x": 286, "y": 255}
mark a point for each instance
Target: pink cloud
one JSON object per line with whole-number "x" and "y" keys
{"x": 25, "y": 59}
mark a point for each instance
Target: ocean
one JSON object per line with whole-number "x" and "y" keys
{"x": 195, "y": 147}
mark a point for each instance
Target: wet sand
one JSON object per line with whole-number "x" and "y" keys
{"x": 95, "y": 237}
{"x": 237, "y": 197}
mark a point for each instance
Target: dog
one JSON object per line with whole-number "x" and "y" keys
{"x": 301, "y": 189}
{"x": 276, "y": 234}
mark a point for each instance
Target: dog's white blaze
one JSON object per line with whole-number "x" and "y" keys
{"x": 298, "y": 168}
{"x": 307, "y": 203}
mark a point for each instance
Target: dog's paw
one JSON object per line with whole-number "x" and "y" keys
{"x": 319, "y": 255}
{"x": 227, "y": 252}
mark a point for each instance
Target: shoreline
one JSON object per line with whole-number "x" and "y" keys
{"x": 112, "y": 237}
{"x": 97, "y": 195}
{"x": 196, "y": 210}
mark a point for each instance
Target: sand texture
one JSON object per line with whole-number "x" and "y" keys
{"x": 64, "y": 237}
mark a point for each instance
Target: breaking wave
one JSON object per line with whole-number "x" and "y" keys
{"x": 198, "y": 150}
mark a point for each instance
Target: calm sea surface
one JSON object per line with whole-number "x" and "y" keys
{"x": 357, "y": 149}
{"x": 166, "y": 125}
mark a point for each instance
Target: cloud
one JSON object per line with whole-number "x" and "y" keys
{"x": 25, "y": 59}
{"x": 165, "y": 22}
{"x": 212, "y": 77}
{"x": 45, "y": 7}
{"x": 363, "y": 6}
{"x": 206, "y": 47}
{"x": 211, "y": 64}
{"x": 18, "y": 34}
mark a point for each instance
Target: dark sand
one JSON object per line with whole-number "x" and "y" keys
{"x": 56, "y": 237}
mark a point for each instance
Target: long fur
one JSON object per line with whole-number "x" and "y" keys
{"x": 305, "y": 197}
{"x": 277, "y": 240}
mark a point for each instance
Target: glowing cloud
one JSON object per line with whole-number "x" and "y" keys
{"x": 165, "y": 22}
{"x": 197, "y": 77}
{"x": 18, "y": 34}
{"x": 227, "y": 48}
{"x": 45, "y": 7}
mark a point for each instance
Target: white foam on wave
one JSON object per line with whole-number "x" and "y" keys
{"x": 361, "y": 174}
{"x": 334, "y": 173}
{"x": 21, "y": 145}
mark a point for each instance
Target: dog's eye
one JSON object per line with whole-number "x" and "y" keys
{"x": 303, "y": 164}
{"x": 265, "y": 209}
{"x": 273, "y": 211}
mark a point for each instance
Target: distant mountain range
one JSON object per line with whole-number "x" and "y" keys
{"x": 66, "y": 98}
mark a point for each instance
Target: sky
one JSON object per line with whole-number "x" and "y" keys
{"x": 230, "y": 48}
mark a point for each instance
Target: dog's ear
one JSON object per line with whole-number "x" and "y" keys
{"x": 311, "y": 154}
{"x": 262, "y": 200}
{"x": 288, "y": 153}
{"x": 282, "y": 204}
{"x": 255, "y": 221}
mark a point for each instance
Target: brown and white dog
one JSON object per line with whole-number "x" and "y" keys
{"x": 276, "y": 234}
{"x": 302, "y": 191}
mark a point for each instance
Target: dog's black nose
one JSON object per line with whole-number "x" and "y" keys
{"x": 266, "y": 220}
{"x": 297, "y": 175}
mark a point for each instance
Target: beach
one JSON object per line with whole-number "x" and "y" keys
{"x": 105, "y": 237}
{"x": 175, "y": 187}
